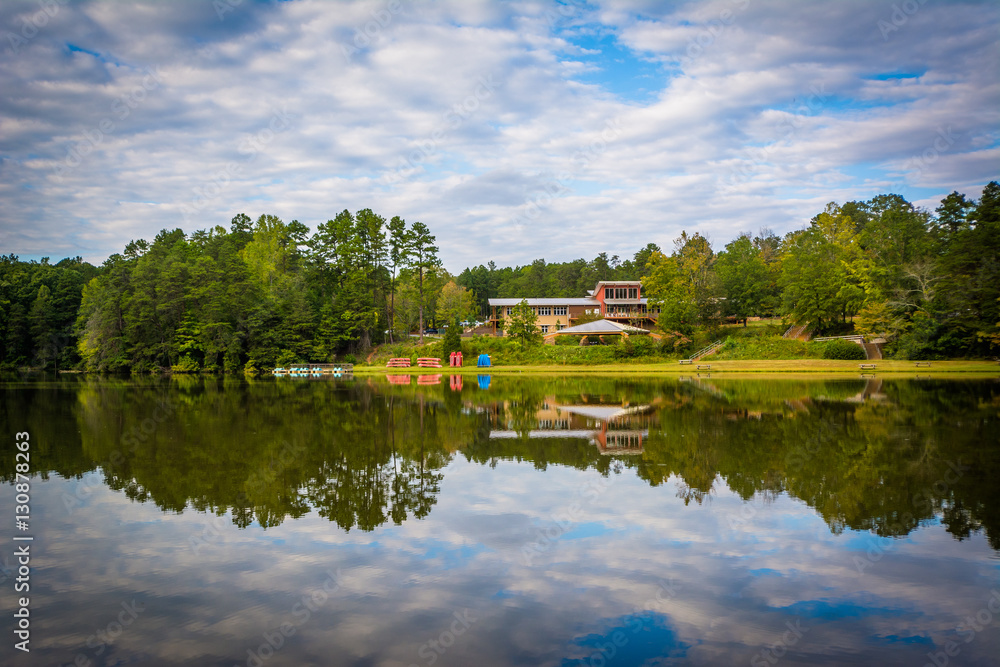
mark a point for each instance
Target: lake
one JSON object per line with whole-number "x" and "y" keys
{"x": 505, "y": 520}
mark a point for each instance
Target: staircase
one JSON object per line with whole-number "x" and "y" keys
{"x": 872, "y": 350}
{"x": 798, "y": 331}
{"x": 709, "y": 349}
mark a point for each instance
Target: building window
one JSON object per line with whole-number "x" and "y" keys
{"x": 559, "y": 310}
{"x": 609, "y": 293}
{"x": 633, "y": 292}
{"x": 510, "y": 311}
{"x": 544, "y": 310}
{"x": 545, "y": 328}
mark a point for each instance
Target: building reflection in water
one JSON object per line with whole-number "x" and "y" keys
{"x": 614, "y": 428}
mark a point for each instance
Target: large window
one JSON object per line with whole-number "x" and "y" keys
{"x": 510, "y": 311}
{"x": 544, "y": 310}
{"x": 621, "y": 293}
{"x": 545, "y": 328}
{"x": 559, "y": 310}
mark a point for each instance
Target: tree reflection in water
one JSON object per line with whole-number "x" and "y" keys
{"x": 882, "y": 456}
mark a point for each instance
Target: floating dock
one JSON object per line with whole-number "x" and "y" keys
{"x": 315, "y": 370}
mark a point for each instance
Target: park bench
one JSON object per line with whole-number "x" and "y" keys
{"x": 866, "y": 367}
{"x": 925, "y": 364}
{"x": 398, "y": 363}
{"x": 705, "y": 367}
{"x": 686, "y": 361}
{"x": 429, "y": 362}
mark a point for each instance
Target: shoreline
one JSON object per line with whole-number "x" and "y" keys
{"x": 741, "y": 367}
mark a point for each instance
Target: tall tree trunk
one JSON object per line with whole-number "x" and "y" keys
{"x": 421, "y": 294}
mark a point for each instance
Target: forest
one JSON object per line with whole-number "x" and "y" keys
{"x": 264, "y": 293}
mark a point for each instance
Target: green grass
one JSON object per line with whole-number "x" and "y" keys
{"x": 753, "y": 349}
{"x": 738, "y": 368}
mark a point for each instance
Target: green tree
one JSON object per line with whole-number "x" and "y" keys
{"x": 811, "y": 278}
{"x": 744, "y": 278}
{"x": 667, "y": 289}
{"x": 455, "y": 304}
{"x": 424, "y": 261}
{"x": 521, "y": 324}
{"x": 399, "y": 254}
{"x": 683, "y": 286}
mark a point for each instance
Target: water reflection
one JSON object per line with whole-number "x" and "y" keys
{"x": 877, "y": 455}
{"x": 613, "y": 428}
{"x": 576, "y": 520}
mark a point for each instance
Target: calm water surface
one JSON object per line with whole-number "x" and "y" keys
{"x": 507, "y": 521}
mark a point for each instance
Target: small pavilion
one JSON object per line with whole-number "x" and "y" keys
{"x": 598, "y": 328}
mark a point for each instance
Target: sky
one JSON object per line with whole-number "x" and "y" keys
{"x": 514, "y": 130}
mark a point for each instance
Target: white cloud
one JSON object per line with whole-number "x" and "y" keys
{"x": 379, "y": 94}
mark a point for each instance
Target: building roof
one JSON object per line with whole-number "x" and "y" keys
{"x": 600, "y": 283}
{"x": 601, "y": 327}
{"x": 566, "y": 301}
{"x": 603, "y": 413}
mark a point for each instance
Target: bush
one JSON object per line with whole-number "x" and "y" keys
{"x": 141, "y": 367}
{"x": 843, "y": 349}
{"x": 568, "y": 340}
{"x": 185, "y": 365}
{"x": 451, "y": 342}
{"x": 636, "y": 346}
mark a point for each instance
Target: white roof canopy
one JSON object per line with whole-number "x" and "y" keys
{"x": 601, "y": 327}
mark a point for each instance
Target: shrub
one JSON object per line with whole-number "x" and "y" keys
{"x": 636, "y": 346}
{"x": 843, "y": 349}
{"x": 141, "y": 367}
{"x": 451, "y": 342}
{"x": 625, "y": 348}
{"x": 185, "y": 365}
{"x": 568, "y": 340}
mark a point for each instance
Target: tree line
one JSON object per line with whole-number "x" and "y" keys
{"x": 264, "y": 293}
{"x": 927, "y": 282}
{"x": 258, "y": 294}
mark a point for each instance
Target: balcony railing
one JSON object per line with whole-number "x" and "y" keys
{"x": 633, "y": 314}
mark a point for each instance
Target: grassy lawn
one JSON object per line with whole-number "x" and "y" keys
{"x": 756, "y": 349}
{"x": 800, "y": 366}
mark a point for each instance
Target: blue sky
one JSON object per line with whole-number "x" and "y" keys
{"x": 514, "y": 130}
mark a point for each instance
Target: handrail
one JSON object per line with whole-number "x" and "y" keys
{"x": 705, "y": 350}
{"x": 854, "y": 337}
